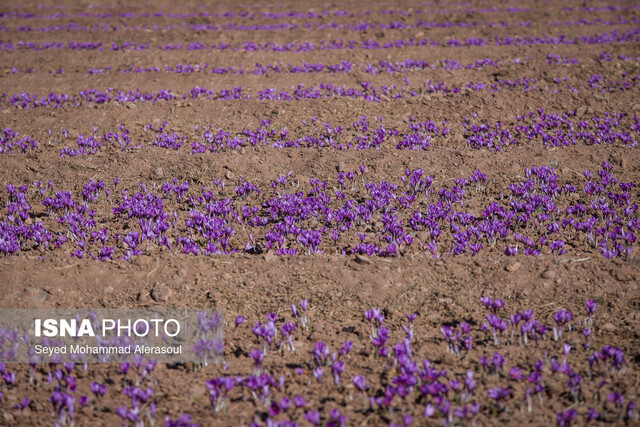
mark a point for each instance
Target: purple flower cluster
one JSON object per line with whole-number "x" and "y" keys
{"x": 366, "y": 91}
{"x": 540, "y": 214}
{"x": 139, "y": 392}
{"x": 314, "y": 24}
{"x": 607, "y": 37}
{"x": 273, "y": 15}
{"x": 342, "y": 67}
{"x": 402, "y": 386}
{"x": 163, "y": 139}
{"x": 92, "y": 144}
{"x": 552, "y": 130}
{"x": 441, "y": 393}
{"x": 10, "y": 143}
{"x": 209, "y": 346}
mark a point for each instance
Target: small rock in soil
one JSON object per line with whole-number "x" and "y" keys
{"x": 161, "y": 293}
{"x": 423, "y": 236}
{"x": 513, "y": 267}
{"x": 269, "y": 257}
{"x": 548, "y": 274}
{"x": 143, "y": 261}
{"x": 38, "y": 295}
{"x": 609, "y": 327}
{"x": 362, "y": 259}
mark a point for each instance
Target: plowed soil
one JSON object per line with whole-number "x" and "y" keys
{"x": 339, "y": 287}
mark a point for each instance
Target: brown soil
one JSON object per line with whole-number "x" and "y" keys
{"x": 339, "y": 287}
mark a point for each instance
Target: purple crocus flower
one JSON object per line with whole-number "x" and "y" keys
{"x": 313, "y": 417}
{"x": 616, "y": 398}
{"x": 516, "y": 374}
{"x": 98, "y": 389}
{"x": 336, "y": 418}
{"x": 630, "y": 412}
{"x": 590, "y": 306}
{"x": 299, "y": 402}
{"x": 25, "y": 402}
{"x": 429, "y": 410}
{"x": 360, "y": 382}
{"x": 486, "y": 301}
{"x": 184, "y": 420}
{"x": 337, "y": 368}
{"x": 564, "y": 419}
{"x": 498, "y": 394}
{"x": 239, "y": 320}
{"x": 346, "y": 348}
